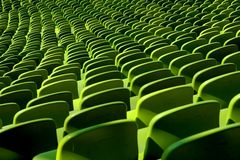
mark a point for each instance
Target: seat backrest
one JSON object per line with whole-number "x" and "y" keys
{"x": 189, "y": 70}
{"x": 144, "y": 78}
{"x": 220, "y": 143}
{"x": 191, "y": 45}
{"x": 114, "y": 74}
{"x": 60, "y": 78}
{"x": 64, "y": 85}
{"x": 7, "y": 112}
{"x": 211, "y": 72}
{"x": 221, "y": 52}
{"x": 21, "y": 97}
{"x": 113, "y": 140}
{"x": 172, "y": 125}
{"x": 142, "y": 68}
{"x": 30, "y": 138}
{"x": 178, "y": 62}
{"x": 100, "y": 70}
{"x": 232, "y": 115}
{"x": 154, "y": 103}
{"x": 110, "y": 95}
{"x": 204, "y": 49}
{"x": 161, "y": 84}
{"x": 95, "y": 115}
{"x": 222, "y": 88}
{"x": 127, "y": 66}
{"x": 24, "y": 85}
{"x": 163, "y": 50}
{"x": 56, "y": 110}
{"x": 101, "y": 86}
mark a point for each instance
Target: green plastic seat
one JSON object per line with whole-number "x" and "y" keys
{"x": 190, "y": 34}
{"x": 221, "y": 52}
{"x": 99, "y": 70}
{"x": 179, "y": 62}
{"x": 101, "y": 86}
{"x": 144, "y": 78}
{"x": 190, "y": 69}
{"x": 127, "y": 66}
{"x": 213, "y": 89}
{"x": 36, "y": 136}
{"x": 37, "y": 79}
{"x": 211, "y": 72}
{"x": 21, "y": 97}
{"x": 203, "y": 145}
{"x": 99, "y": 63}
{"x": 160, "y": 84}
{"x": 167, "y": 58}
{"x": 142, "y": 68}
{"x": 112, "y": 140}
{"x": 105, "y": 96}
{"x": 7, "y": 112}
{"x": 58, "y": 96}
{"x": 208, "y": 35}
{"x": 163, "y": 50}
{"x": 64, "y": 85}
{"x": 234, "y": 40}
{"x": 179, "y": 42}
{"x": 50, "y": 65}
{"x": 24, "y": 85}
{"x": 56, "y": 110}
{"x": 103, "y": 76}
{"x": 204, "y": 49}
{"x": 59, "y": 78}
{"x": 191, "y": 45}
{"x": 232, "y": 58}
{"x": 41, "y": 72}
{"x": 222, "y": 38}
{"x": 149, "y": 50}
{"x": 159, "y": 101}
{"x": 125, "y": 53}
{"x": 163, "y": 30}
{"x": 74, "y": 70}
{"x": 14, "y": 74}
{"x": 95, "y": 115}
{"x": 25, "y": 64}
{"x": 130, "y": 57}
{"x": 171, "y": 126}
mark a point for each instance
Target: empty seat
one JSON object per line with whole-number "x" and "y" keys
{"x": 171, "y": 126}
{"x": 220, "y": 52}
{"x": 159, "y": 101}
{"x": 112, "y": 140}
{"x": 221, "y": 88}
{"x": 110, "y": 95}
{"x": 36, "y": 136}
{"x": 7, "y": 112}
{"x": 206, "y": 145}
{"x": 144, "y": 78}
{"x": 64, "y": 85}
{"x": 95, "y": 115}
{"x": 180, "y": 61}
{"x": 190, "y": 69}
{"x": 56, "y": 110}
{"x": 211, "y": 72}
{"x": 56, "y": 96}
{"x": 163, "y": 50}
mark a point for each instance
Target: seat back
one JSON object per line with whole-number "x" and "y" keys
{"x": 95, "y": 115}
{"x": 113, "y": 140}
{"x": 154, "y": 103}
{"x": 172, "y": 125}
{"x": 219, "y": 143}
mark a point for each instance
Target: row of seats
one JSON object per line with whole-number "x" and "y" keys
{"x": 129, "y": 79}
